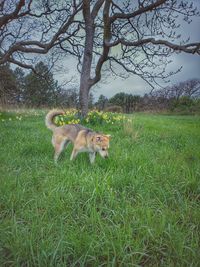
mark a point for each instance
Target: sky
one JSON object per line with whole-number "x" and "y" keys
{"x": 135, "y": 85}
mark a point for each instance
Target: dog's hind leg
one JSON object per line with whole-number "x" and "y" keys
{"x": 59, "y": 147}
{"x": 74, "y": 154}
{"x": 67, "y": 142}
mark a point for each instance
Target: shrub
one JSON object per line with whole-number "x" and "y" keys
{"x": 114, "y": 108}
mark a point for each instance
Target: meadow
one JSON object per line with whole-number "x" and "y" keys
{"x": 139, "y": 207}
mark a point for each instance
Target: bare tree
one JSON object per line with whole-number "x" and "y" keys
{"x": 171, "y": 96}
{"x": 189, "y": 88}
{"x": 139, "y": 36}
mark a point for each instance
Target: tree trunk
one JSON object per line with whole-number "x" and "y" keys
{"x": 85, "y": 80}
{"x": 85, "y": 83}
{"x": 83, "y": 98}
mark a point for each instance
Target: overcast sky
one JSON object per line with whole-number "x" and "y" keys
{"x": 134, "y": 84}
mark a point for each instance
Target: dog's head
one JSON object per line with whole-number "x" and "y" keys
{"x": 101, "y": 144}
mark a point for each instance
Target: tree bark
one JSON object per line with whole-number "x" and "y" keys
{"x": 84, "y": 92}
{"x": 85, "y": 84}
{"x": 85, "y": 81}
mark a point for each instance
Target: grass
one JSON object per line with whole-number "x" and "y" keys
{"x": 138, "y": 208}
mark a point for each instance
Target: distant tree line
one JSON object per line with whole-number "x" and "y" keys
{"x": 37, "y": 88}
{"x": 17, "y": 88}
{"x": 181, "y": 97}
{"x": 32, "y": 90}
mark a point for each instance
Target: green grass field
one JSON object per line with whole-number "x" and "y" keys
{"x": 141, "y": 207}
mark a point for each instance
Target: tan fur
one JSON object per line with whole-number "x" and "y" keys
{"x": 84, "y": 139}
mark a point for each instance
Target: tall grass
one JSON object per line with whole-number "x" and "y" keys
{"x": 138, "y": 208}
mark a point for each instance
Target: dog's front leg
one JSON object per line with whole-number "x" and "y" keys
{"x": 92, "y": 157}
{"x": 74, "y": 154}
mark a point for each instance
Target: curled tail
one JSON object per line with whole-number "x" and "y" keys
{"x": 50, "y": 116}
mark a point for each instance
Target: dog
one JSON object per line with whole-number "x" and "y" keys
{"x": 84, "y": 139}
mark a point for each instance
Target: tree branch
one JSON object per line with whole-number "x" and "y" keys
{"x": 37, "y": 46}
{"x": 191, "y": 48}
{"x": 106, "y": 38}
{"x": 15, "y": 14}
{"x": 138, "y": 12}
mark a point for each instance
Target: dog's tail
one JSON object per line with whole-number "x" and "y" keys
{"x": 50, "y": 116}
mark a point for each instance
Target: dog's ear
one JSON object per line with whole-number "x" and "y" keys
{"x": 98, "y": 138}
{"x": 108, "y": 136}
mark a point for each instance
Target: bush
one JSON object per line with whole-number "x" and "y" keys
{"x": 114, "y": 108}
{"x": 185, "y": 106}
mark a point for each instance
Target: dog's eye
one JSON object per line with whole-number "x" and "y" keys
{"x": 103, "y": 149}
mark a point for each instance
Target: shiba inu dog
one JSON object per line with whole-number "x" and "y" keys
{"x": 84, "y": 139}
